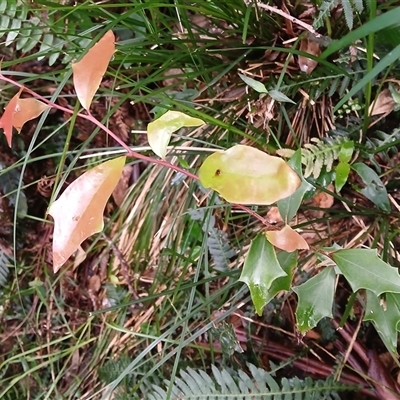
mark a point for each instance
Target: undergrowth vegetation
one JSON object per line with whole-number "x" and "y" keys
{"x": 154, "y": 306}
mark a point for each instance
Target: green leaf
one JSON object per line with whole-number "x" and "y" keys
{"x": 342, "y": 173}
{"x": 394, "y": 92}
{"x": 289, "y": 206}
{"x": 288, "y": 262}
{"x": 260, "y": 270}
{"x": 374, "y": 25}
{"x": 348, "y": 13}
{"x": 385, "y": 62}
{"x": 257, "y": 86}
{"x": 245, "y": 175}
{"x": 159, "y": 131}
{"x": 346, "y": 151}
{"x": 374, "y": 189}
{"x": 315, "y": 299}
{"x": 279, "y": 96}
{"x": 385, "y": 319}
{"x": 365, "y": 270}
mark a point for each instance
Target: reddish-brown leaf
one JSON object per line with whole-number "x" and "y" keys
{"x": 78, "y": 213}
{"x": 287, "y": 239}
{"x": 6, "y": 121}
{"x": 25, "y": 110}
{"x": 383, "y": 104}
{"x": 309, "y": 46}
{"x": 88, "y": 72}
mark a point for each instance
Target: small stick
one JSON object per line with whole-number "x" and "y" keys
{"x": 287, "y": 16}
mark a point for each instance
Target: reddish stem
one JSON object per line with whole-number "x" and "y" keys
{"x": 130, "y": 153}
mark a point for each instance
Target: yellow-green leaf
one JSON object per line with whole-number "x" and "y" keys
{"x": 78, "y": 213}
{"x": 245, "y": 175}
{"x": 159, "y": 131}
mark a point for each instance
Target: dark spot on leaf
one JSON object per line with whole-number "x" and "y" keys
{"x": 218, "y": 172}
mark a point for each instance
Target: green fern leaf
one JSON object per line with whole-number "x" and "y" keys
{"x": 217, "y": 241}
{"x": 28, "y": 30}
{"x": 324, "y": 12}
{"x": 318, "y": 154}
{"x": 5, "y": 264}
{"x": 349, "y": 7}
{"x": 348, "y": 13}
{"x": 235, "y": 385}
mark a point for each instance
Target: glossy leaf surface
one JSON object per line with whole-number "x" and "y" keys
{"x": 256, "y": 85}
{"x": 26, "y": 110}
{"x": 341, "y": 174}
{"x": 315, "y": 299}
{"x": 78, "y": 213}
{"x": 374, "y": 188}
{"x": 287, "y": 239}
{"x": 17, "y": 112}
{"x": 385, "y": 316}
{"x": 6, "y": 121}
{"x": 363, "y": 269}
{"x": 280, "y": 97}
{"x": 89, "y": 71}
{"x": 246, "y": 175}
{"x": 159, "y": 131}
{"x": 289, "y": 206}
{"x": 288, "y": 262}
{"x": 260, "y": 270}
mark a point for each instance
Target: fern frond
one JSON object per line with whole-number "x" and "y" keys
{"x": 5, "y": 263}
{"x": 349, "y": 7}
{"x": 50, "y": 33}
{"x": 235, "y": 385}
{"x": 217, "y": 241}
{"x": 9, "y": 182}
{"x": 324, "y": 12}
{"x": 318, "y": 154}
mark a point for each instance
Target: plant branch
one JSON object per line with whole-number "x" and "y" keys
{"x": 130, "y": 152}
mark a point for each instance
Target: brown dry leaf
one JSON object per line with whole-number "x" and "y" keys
{"x": 273, "y": 215}
{"x": 287, "y": 239}
{"x": 89, "y": 71}
{"x": 308, "y": 65}
{"x": 94, "y": 283}
{"x": 6, "y": 121}
{"x": 26, "y": 110}
{"x": 323, "y": 199}
{"x": 384, "y": 103}
{"x": 78, "y": 213}
{"x": 122, "y": 187}
{"x": 80, "y": 257}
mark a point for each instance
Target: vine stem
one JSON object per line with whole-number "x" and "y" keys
{"x": 130, "y": 152}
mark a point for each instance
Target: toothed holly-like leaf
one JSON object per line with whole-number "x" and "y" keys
{"x": 260, "y": 270}
{"x": 363, "y": 269}
{"x": 385, "y": 315}
{"x": 315, "y": 299}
